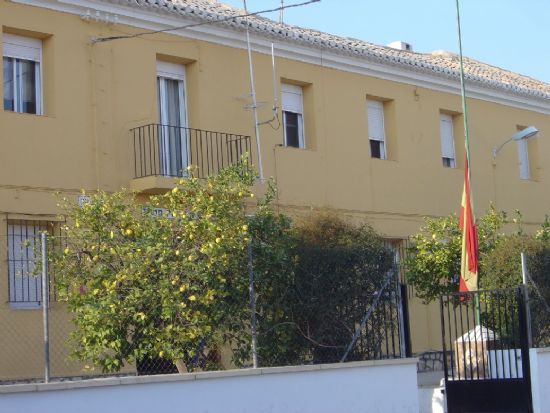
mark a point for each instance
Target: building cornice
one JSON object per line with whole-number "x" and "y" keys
{"x": 158, "y": 19}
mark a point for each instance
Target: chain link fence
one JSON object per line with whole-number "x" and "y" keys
{"x": 38, "y": 341}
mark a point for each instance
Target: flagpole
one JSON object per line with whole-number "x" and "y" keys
{"x": 463, "y": 92}
{"x": 466, "y": 138}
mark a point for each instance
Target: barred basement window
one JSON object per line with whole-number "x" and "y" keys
{"x": 23, "y": 242}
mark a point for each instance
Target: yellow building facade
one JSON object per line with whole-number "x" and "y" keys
{"x": 92, "y": 101}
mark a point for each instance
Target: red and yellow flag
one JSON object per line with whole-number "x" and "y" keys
{"x": 468, "y": 267}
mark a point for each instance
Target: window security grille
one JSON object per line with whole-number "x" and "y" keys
{"x": 23, "y": 246}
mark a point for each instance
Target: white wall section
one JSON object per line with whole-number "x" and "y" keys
{"x": 371, "y": 386}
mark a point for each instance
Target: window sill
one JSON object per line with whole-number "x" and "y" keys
{"x": 24, "y": 306}
{"x": 34, "y": 115}
{"x": 294, "y": 148}
{"x": 383, "y": 160}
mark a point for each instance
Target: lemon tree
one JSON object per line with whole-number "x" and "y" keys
{"x": 433, "y": 264}
{"x": 157, "y": 277}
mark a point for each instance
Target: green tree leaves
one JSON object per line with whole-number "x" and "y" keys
{"x": 157, "y": 277}
{"x": 433, "y": 266}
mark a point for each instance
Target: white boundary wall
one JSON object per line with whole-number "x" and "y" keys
{"x": 371, "y": 386}
{"x": 540, "y": 379}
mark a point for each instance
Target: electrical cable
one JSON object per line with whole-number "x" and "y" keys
{"x": 187, "y": 26}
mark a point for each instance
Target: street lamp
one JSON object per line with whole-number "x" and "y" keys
{"x": 526, "y": 133}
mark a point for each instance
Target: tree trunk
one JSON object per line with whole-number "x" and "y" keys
{"x": 181, "y": 366}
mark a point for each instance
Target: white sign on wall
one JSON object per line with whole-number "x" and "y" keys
{"x": 83, "y": 200}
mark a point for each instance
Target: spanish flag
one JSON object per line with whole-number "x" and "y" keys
{"x": 468, "y": 267}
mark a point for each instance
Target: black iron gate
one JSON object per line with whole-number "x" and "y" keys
{"x": 485, "y": 339}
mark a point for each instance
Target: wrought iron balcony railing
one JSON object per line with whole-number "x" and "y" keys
{"x": 162, "y": 150}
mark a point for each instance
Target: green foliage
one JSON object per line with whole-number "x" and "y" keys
{"x": 146, "y": 285}
{"x": 340, "y": 269}
{"x": 544, "y": 232}
{"x": 309, "y": 305}
{"x": 166, "y": 277}
{"x": 502, "y": 269}
{"x": 433, "y": 267}
{"x": 502, "y": 265}
{"x": 274, "y": 261}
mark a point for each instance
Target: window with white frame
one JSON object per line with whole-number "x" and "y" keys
{"x": 293, "y": 115}
{"x": 523, "y": 157}
{"x": 447, "y": 140}
{"x": 23, "y": 240}
{"x": 173, "y": 142}
{"x": 377, "y": 136}
{"x": 22, "y": 58}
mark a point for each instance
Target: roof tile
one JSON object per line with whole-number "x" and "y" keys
{"x": 442, "y": 63}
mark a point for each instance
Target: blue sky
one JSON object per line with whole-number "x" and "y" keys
{"x": 512, "y": 34}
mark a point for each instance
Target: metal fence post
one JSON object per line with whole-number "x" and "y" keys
{"x": 252, "y": 308}
{"x": 45, "y": 307}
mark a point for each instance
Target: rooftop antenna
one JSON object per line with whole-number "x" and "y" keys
{"x": 281, "y": 11}
{"x": 253, "y": 95}
{"x": 275, "y": 107}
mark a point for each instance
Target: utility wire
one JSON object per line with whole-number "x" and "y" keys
{"x": 187, "y": 26}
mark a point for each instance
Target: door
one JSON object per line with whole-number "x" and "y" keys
{"x": 173, "y": 140}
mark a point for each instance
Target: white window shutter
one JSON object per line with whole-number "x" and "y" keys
{"x": 21, "y": 47}
{"x": 523, "y": 156}
{"x": 375, "y": 118}
{"x": 170, "y": 70}
{"x": 292, "y": 98}
{"x": 446, "y": 133}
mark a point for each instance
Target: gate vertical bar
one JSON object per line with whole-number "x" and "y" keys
{"x": 45, "y": 305}
{"x": 443, "y": 339}
{"x": 525, "y": 276}
{"x": 406, "y": 323}
{"x": 401, "y": 316}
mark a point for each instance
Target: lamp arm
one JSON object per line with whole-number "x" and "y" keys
{"x": 497, "y": 149}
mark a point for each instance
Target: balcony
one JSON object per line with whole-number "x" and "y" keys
{"x": 162, "y": 152}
